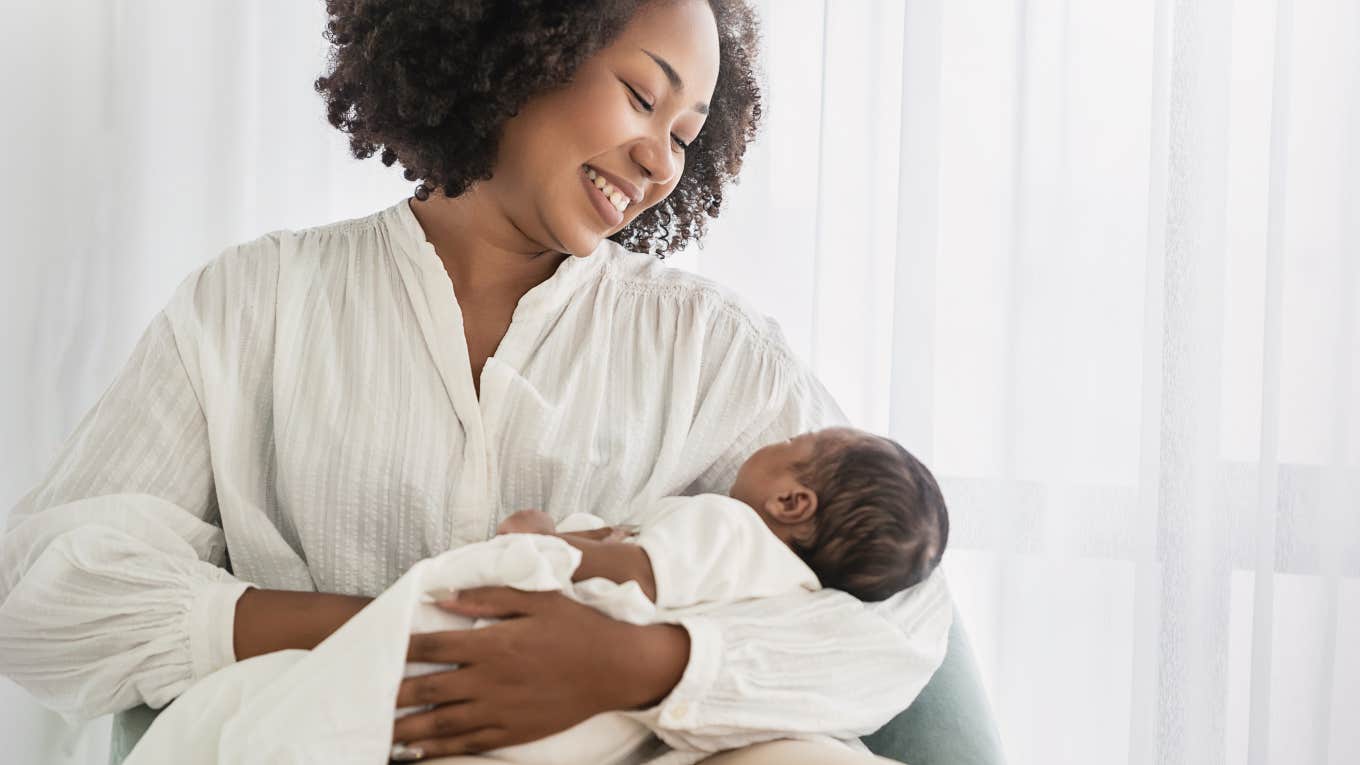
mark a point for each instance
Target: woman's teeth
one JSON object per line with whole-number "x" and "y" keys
{"x": 614, "y": 196}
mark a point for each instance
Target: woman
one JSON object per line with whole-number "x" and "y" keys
{"x": 316, "y": 410}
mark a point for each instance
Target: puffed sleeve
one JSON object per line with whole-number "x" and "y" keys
{"x": 113, "y": 587}
{"x": 803, "y": 664}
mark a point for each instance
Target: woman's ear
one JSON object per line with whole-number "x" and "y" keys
{"x": 793, "y": 505}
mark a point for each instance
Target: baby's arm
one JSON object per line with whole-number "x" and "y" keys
{"x": 616, "y": 561}
{"x": 601, "y": 555}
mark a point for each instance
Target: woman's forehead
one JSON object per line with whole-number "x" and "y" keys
{"x": 680, "y": 36}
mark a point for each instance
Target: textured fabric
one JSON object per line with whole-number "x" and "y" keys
{"x": 304, "y": 404}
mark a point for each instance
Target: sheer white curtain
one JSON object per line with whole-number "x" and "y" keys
{"x": 139, "y": 138}
{"x": 1095, "y": 261}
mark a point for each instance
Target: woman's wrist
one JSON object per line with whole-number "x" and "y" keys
{"x": 649, "y": 661}
{"x": 274, "y": 620}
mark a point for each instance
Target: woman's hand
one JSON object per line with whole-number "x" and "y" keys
{"x": 551, "y": 664}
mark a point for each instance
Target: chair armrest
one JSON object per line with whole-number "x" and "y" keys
{"x": 128, "y": 728}
{"x": 951, "y": 722}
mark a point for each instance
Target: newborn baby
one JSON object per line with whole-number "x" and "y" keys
{"x": 863, "y": 514}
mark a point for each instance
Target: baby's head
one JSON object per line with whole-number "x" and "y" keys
{"x": 865, "y": 515}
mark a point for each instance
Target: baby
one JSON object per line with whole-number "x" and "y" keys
{"x": 858, "y": 510}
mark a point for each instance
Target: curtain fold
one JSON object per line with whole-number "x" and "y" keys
{"x": 1095, "y": 262}
{"x": 1112, "y": 305}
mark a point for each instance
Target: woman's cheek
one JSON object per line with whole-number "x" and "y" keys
{"x": 658, "y": 198}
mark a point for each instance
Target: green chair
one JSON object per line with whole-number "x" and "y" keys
{"x": 128, "y": 727}
{"x": 950, "y": 723}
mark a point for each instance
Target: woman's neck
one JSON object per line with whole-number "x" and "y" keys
{"x": 481, "y": 248}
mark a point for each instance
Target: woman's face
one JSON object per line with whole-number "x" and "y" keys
{"x": 666, "y": 58}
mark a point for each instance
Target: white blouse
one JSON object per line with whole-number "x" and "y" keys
{"x": 301, "y": 416}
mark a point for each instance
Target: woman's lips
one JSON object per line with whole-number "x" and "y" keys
{"x": 608, "y": 213}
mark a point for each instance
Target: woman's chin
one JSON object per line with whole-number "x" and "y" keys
{"x": 591, "y": 230}
{"x": 584, "y": 241}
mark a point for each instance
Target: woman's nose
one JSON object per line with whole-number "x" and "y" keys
{"x": 657, "y": 162}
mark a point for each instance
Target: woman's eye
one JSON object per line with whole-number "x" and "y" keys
{"x": 649, "y": 108}
{"x": 645, "y": 105}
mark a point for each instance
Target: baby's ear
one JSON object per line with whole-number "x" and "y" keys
{"x": 797, "y": 504}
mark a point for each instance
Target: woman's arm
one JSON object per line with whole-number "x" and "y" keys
{"x": 114, "y": 581}
{"x": 808, "y": 663}
{"x": 113, "y": 590}
{"x": 274, "y": 620}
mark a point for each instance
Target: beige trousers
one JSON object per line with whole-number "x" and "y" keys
{"x": 771, "y": 753}
{"x": 794, "y": 753}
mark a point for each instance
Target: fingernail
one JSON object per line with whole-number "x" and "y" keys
{"x": 404, "y": 753}
{"x": 443, "y": 594}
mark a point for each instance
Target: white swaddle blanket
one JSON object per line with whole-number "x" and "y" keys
{"x": 334, "y": 704}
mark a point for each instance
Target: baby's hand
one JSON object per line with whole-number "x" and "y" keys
{"x": 527, "y": 522}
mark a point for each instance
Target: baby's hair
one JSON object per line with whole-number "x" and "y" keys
{"x": 881, "y": 523}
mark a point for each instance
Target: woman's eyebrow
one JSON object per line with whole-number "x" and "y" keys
{"x": 674, "y": 78}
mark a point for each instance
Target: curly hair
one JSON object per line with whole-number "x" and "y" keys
{"x": 432, "y": 82}
{"x": 881, "y": 523}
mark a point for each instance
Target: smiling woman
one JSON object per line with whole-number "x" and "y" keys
{"x": 314, "y": 411}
